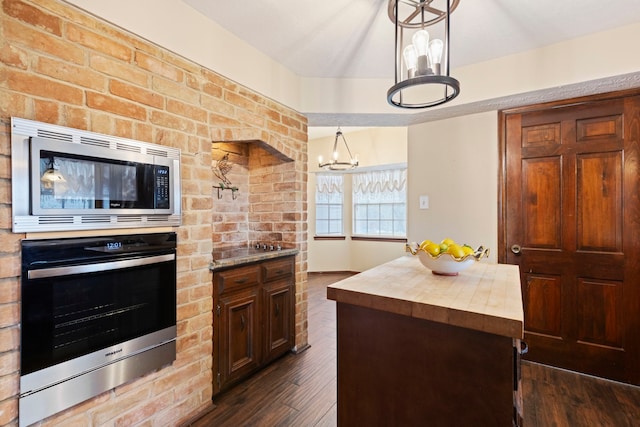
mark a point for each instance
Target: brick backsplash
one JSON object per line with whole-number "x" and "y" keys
{"x": 60, "y": 65}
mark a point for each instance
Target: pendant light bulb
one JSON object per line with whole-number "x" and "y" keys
{"x": 410, "y": 60}
{"x": 435, "y": 55}
{"x": 420, "y": 41}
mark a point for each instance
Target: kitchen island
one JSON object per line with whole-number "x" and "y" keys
{"x": 415, "y": 348}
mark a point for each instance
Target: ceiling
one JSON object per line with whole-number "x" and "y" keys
{"x": 354, "y": 38}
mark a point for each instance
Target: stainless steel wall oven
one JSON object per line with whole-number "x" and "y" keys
{"x": 96, "y": 313}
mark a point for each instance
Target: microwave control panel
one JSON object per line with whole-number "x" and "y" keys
{"x": 162, "y": 187}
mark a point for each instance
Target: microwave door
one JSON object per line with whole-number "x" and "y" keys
{"x": 71, "y": 178}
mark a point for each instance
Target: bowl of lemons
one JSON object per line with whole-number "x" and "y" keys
{"x": 447, "y": 258}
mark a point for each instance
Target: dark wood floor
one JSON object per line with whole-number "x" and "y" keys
{"x": 300, "y": 390}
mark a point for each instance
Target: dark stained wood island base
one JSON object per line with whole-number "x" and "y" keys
{"x": 416, "y": 349}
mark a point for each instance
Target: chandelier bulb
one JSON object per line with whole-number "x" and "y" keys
{"x": 435, "y": 55}
{"x": 420, "y": 41}
{"x": 410, "y": 60}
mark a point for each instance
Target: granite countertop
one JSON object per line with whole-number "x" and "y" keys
{"x": 235, "y": 256}
{"x": 484, "y": 297}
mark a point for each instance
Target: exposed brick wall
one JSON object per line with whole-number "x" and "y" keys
{"x": 59, "y": 65}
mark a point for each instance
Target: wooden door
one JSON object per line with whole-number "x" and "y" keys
{"x": 571, "y": 221}
{"x": 278, "y": 318}
{"x": 238, "y": 337}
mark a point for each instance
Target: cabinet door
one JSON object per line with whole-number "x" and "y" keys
{"x": 278, "y": 319}
{"x": 239, "y": 336}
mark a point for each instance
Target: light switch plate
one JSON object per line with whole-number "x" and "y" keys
{"x": 424, "y": 202}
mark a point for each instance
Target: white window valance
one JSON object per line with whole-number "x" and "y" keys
{"x": 330, "y": 183}
{"x": 383, "y": 181}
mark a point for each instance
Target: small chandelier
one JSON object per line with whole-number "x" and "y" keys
{"x": 334, "y": 163}
{"x": 422, "y": 68}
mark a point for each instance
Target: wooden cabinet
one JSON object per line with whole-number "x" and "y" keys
{"x": 417, "y": 349}
{"x": 253, "y": 318}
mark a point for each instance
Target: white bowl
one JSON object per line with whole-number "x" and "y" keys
{"x": 445, "y": 264}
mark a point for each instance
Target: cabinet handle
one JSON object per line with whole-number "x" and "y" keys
{"x": 242, "y": 322}
{"x": 279, "y": 271}
{"x": 277, "y": 309}
{"x": 241, "y": 281}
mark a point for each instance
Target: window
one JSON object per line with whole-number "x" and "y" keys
{"x": 380, "y": 203}
{"x": 329, "y": 201}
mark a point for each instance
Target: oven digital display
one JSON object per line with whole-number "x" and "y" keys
{"x": 112, "y": 246}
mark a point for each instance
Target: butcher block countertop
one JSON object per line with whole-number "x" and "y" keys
{"x": 485, "y": 297}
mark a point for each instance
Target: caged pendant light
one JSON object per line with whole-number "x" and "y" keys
{"x": 334, "y": 163}
{"x": 422, "y": 63}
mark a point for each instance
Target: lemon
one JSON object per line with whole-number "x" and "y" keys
{"x": 432, "y": 249}
{"x": 456, "y": 251}
{"x": 468, "y": 250}
{"x": 424, "y": 244}
{"x": 444, "y": 247}
{"x": 447, "y": 241}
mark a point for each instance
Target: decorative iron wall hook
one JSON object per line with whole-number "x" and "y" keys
{"x": 221, "y": 169}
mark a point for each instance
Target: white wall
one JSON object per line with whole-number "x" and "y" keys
{"x": 455, "y": 163}
{"x": 375, "y": 146}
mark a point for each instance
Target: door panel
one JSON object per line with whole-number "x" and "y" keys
{"x": 600, "y": 313}
{"x": 599, "y": 198}
{"x": 544, "y": 302}
{"x": 543, "y": 200}
{"x": 570, "y": 189}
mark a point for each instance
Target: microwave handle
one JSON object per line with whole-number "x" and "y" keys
{"x": 92, "y": 268}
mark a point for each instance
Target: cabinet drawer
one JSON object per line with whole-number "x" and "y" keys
{"x": 237, "y": 278}
{"x": 277, "y": 269}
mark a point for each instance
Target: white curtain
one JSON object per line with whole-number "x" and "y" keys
{"x": 384, "y": 185}
{"x": 329, "y": 183}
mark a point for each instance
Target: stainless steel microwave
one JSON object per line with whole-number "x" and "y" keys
{"x": 65, "y": 179}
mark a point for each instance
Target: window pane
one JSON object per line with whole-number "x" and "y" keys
{"x": 386, "y": 211}
{"x": 379, "y": 203}
{"x": 360, "y": 227}
{"x": 335, "y": 212}
{"x": 335, "y": 198}
{"x": 329, "y": 204}
{"x": 335, "y": 227}
{"x": 322, "y": 212}
{"x": 322, "y": 197}
{"x": 373, "y": 211}
{"x": 322, "y": 227}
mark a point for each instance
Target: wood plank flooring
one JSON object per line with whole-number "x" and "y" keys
{"x": 300, "y": 390}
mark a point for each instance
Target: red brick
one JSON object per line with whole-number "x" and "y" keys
{"x": 8, "y": 412}
{"x": 116, "y": 106}
{"x": 19, "y": 34}
{"x": 70, "y": 73}
{"x": 175, "y": 90}
{"x": 137, "y": 94}
{"x": 46, "y": 88}
{"x": 171, "y": 121}
{"x": 155, "y": 66}
{"x": 75, "y": 117}
{"x": 98, "y": 42}
{"x": 187, "y": 110}
{"x": 47, "y": 111}
{"x": 33, "y": 16}
{"x": 121, "y": 70}
{"x": 13, "y": 56}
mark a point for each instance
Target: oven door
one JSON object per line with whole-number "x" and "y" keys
{"x": 92, "y": 314}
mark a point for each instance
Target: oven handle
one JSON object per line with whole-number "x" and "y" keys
{"x": 103, "y": 266}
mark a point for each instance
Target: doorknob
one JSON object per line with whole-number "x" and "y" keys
{"x": 516, "y": 249}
